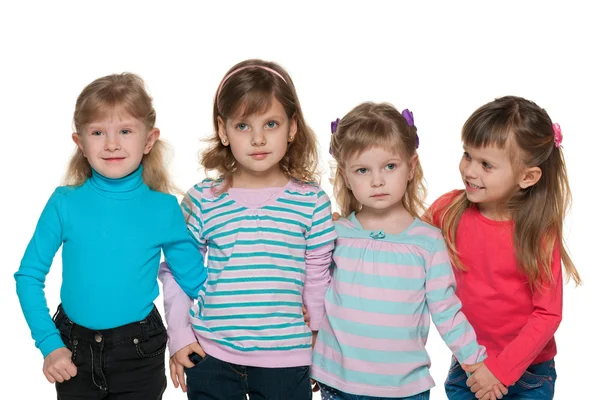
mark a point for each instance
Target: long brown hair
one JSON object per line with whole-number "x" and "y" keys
{"x": 250, "y": 91}
{"x": 102, "y": 96}
{"x": 537, "y": 211}
{"x": 371, "y": 125}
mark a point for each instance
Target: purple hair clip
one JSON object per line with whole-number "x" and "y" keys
{"x": 410, "y": 120}
{"x": 334, "y": 125}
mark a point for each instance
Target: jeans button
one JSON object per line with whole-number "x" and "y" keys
{"x": 136, "y": 341}
{"x": 98, "y": 337}
{"x": 75, "y": 342}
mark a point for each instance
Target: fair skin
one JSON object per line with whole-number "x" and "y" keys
{"x": 114, "y": 147}
{"x": 258, "y": 143}
{"x": 378, "y": 180}
{"x": 490, "y": 181}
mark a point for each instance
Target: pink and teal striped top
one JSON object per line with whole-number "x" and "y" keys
{"x": 384, "y": 288}
{"x": 268, "y": 252}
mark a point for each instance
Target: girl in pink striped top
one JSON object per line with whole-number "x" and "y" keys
{"x": 391, "y": 270}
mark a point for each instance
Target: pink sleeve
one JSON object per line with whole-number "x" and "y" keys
{"x": 319, "y": 249}
{"x": 511, "y": 363}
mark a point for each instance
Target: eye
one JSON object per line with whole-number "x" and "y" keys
{"x": 95, "y": 133}
{"x": 467, "y": 156}
{"x": 242, "y": 127}
{"x": 272, "y": 124}
{"x": 361, "y": 171}
{"x": 391, "y": 167}
{"x": 486, "y": 165}
{"x": 125, "y": 131}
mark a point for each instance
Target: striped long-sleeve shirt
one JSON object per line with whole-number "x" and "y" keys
{"x": 268, "y": 252}
{"x": 384, "y": 287}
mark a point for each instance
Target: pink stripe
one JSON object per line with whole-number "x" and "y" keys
{"x": 214, "y": 312}
{"x": 379, "y": 269}
{"x": 391, "y": 295}
{"x": 253, "y": 286}
{"x": 254, "y": 273}
{"x": 238, "y": 261}
{"x": 441, "y": 282}
{"x": 372, "y": 318}
{"x": 440, "y": 257}
{"x": 405, "y": 390}
{"x": 215, "y": 300}
{"x": 369, "y": 343}
{"x": 278, "y": 237}
{"x": 250, "y": 322}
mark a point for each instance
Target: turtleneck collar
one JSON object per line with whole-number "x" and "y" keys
{"x": 122, "y": 188}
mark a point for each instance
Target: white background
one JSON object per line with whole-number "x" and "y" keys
{"x": 440, "y": 59}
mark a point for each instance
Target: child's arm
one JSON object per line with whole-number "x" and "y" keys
{"x": 31, "y": 276}
{"x": 518, "y": 355}
{"x": 445, "y": 306}
{"x": 319, "y": 248}
{"x": 182, "y": 253}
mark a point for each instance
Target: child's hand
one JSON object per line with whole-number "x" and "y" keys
{"x": 483, "y": 383}
{"x": 335, "y": 216}
{"x": 306, "y": 316}
{"x": 180, "y": 360}
{"x": 58, "y": 366}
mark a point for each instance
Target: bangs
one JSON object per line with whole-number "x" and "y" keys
{"x": 369, "y": 134}
{"x": 487, "y": 129}
{"x": 98, "y": 108}
{"x": 255, "y": 102}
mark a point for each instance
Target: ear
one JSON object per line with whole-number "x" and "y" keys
{"x": 412, "y": 165}
{"x": 293, "y": 128}
{"x": 530, "y": 177}
{"x": 152, "y": 137}
{"x": 222, "y": 132}
{"x": 77, "y": 140}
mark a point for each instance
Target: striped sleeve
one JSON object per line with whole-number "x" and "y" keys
{"x": 319, "y": 249}
{"x": 445, "y": 307}
{"x": 191, "y": 207}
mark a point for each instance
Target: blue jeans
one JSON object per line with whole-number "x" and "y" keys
{"x": 329, "y": 393}
{"x": 537, "y": 383}
{"x": 214, "y": 379}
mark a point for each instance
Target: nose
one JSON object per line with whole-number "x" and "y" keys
{"x": 469, "y": 170}
{"x": 112, "y": 142}
{"x": 258, "y": 138}
{"x": 377, "y": 179}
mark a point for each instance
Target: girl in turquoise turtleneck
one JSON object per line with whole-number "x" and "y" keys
{"x": 112, "y": 220}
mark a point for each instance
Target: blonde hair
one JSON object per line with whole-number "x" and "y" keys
{"x": 538, "y": 211}
{"x": 250, "y": 91}
{"x": 102, "y": 96}
{"x": 371, "y": 125}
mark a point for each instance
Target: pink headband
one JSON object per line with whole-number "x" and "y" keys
{"x": 241, "y": 69}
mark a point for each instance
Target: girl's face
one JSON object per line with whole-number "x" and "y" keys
{"x": 115, "y": 144}
{"x": 378, "y": 177}
{"x": 259, "y": 142}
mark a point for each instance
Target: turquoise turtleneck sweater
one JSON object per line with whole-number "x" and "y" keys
{"x": 112, "y": 232}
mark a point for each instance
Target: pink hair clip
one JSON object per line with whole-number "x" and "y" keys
{"x": 558, "y": 136}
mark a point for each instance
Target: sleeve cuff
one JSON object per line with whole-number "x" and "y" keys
{"x": 492, "y": 364}
{"x": 50, "y": 344}
{"x": 181, "y": 338}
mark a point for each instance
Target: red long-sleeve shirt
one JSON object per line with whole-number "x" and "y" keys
{"x": 514, "y": 322}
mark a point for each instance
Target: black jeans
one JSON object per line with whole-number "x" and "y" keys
{"x": 123, "y": 363}
{"x": 213, "y": 379}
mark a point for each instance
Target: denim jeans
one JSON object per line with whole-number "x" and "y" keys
{"x": 537, "y": 383}
{"x": 123, "y": 363}
{"x": 214, "y": 379}
{"x": 329, "y": 393}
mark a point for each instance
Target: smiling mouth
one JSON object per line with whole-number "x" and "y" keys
{"x": 472, "y": 186}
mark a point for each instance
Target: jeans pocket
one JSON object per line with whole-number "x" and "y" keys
{"x": 456, "y": 373}
{"x": 529, "y": 380}
{"x": 153, "y": 346}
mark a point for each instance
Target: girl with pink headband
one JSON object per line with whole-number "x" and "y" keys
{"x": 266, "y": 228}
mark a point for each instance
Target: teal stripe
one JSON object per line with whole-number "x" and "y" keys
{"x": 378, "y": 306}
{"x": 196, "y": 202}
{"x": 444, "y": 315}
{"x": 255, "y": 279}
{"x": 322, "y": 207}
{"x": 225, "y": 204}
{"x": 374, "y": 356}
{"x": 299, "y": 194}
{"x": 380, "y": 256}
{"x": 267, "y": 338}
{"x": 369, "y": 378}
{"x": 296, "y": 203}
{"x": 467, "y": 351}
{"x": 439, "y": 270}
{"x": 205, "y": 200}
{"x": 380, "y": 332}
{"x": 187, "y": 210}
{"x": 257, "y": 230}
{"x": 260, "y": 348}
{"x": 323, "y": 232}
{"x": 255, "y": 291}
{"x": 254, "y": 218}
{"x": 257, "y": 254}
{"x": 247, "y": 328}
{"x": 253, "y": 316}
{"x": 439, "y": 294}
{"x": 258, "y": 267}
{"x": 255, "y": 304}
{"x": 193, "y": 235}
{"x": 316, "y": 246}
{"x": 322, "y": 220}
{"x": 456, "y": 332}
{"x": 260, "y": 241}
{"x": 288, "y": 210}
{"x": 379, "y": 282}
{"x": 235, "y": 211}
